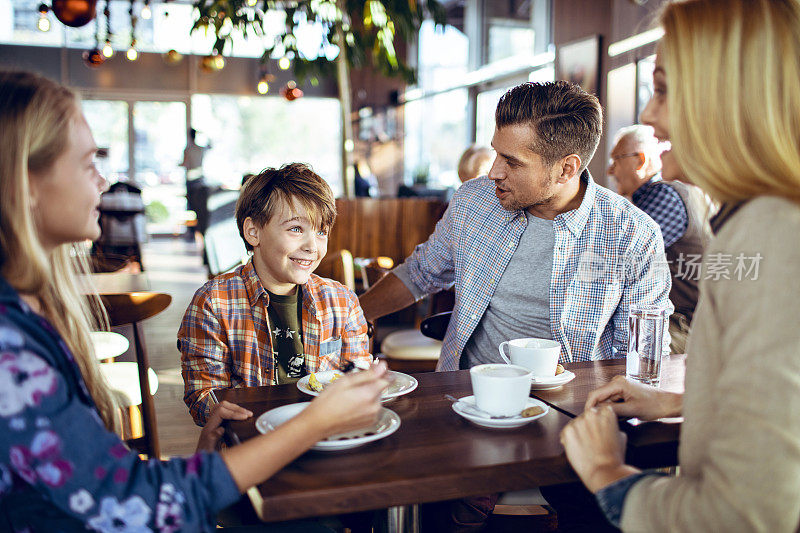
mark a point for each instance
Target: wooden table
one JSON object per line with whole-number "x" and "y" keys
{"x": 650, "y": 444}
{"x": 435, "y": 455}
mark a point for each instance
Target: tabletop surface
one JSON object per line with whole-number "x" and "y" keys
{"x": 435, "y": 455}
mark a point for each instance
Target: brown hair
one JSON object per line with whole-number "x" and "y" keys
{"x": 262, "y": 194}
{"x": 35, "y": 118}
{"x": 566, "y": 119}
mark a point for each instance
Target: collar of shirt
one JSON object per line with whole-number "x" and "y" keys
{"x": 256, "y": 291}
{"x": 575, "y": 219}
{"x": 646, "y": 189}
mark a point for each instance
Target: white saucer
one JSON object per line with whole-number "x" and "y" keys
{"x": 401, "y": 383}
{"x": 552, "y": 382}
{"x": 388, "y": 422}
{"x": 498, "y": 423}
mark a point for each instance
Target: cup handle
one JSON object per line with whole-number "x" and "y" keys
{"x": 502, "y": 353}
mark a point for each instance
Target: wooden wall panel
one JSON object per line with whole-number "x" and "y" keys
{"x": 370, "y": 227}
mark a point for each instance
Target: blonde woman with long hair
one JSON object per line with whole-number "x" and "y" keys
{"x": 727, "y": 95}
{"x": 62, "y": 466}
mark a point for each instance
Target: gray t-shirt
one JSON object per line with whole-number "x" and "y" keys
{"x": 520, "y": 305}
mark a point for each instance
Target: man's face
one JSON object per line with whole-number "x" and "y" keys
{"x": 521, "y": 178}
{"x": 627, "y": 167}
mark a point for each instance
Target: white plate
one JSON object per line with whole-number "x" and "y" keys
{"x": 498, "y": 423}
{"x": 553, "y": 382}
{"x": 388, "y": 422}
{"x": 401, "y": 384}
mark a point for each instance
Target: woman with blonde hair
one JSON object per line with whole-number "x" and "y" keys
{"x": 62, "y": 466}
{"x": 727, "y": 95}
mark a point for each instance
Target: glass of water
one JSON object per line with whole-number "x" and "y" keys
{"x": 646, "y": 323}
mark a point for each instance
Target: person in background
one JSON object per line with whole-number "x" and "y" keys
{"x": 727, "y": 96}
{"x": 63, "y": 466}
{"x": 681, "y": 211}
{"x": 272, "y": 321}
{"x": 475, "y": 161}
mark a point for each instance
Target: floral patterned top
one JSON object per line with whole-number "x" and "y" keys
{"x": 61, "y": 470}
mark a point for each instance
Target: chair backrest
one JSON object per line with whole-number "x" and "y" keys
{"x": 338, "y": 265}
{"x": 224, "y": 248}
{"x": 435, "y": 326}
{"x": 131, "y": 308}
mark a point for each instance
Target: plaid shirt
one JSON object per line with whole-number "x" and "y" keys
{"x": 225, "y": 342}
{"x": 608, "y": 255}
{"x": 664, "y": 205}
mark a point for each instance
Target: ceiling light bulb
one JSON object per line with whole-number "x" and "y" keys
{"x": 284, "y": 63}
{"x": 263, "y": 87}
{"x": 44, "y": 23}
{"x": 252, "y": 3}
{"x": 132, "y": 54}
{"x": 108, "y": 51}
{"x": 146, "y": 13}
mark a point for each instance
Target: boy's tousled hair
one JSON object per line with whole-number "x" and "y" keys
{"x": 566, "y": 119}
{"x": 262, "y": 194}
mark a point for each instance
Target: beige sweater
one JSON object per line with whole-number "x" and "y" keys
{"x": 740, "y": 441}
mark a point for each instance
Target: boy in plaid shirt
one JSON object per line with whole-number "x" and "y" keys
{"x": 272, "y": 321}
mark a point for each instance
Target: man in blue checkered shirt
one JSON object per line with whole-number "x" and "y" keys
{"x": 536, "y": 248}
{"x": 680, "y": 210}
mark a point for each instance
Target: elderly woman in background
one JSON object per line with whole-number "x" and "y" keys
{"x": 727, "y": 96}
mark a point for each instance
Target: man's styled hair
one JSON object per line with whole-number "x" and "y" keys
{"x": 262, "y": 194}
{"x": 565, "y": 119}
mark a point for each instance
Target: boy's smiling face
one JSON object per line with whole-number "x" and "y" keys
{"x": 287, "y": 249}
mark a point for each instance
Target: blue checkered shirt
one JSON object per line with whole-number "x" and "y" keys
{"x": 608, "y": 255}
{"x": 664, "y": 205}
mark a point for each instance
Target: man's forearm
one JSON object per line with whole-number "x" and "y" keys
{"x": 386, "y": 296}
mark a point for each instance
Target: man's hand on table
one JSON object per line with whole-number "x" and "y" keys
{"x": 349, "y": 403}
{"x": 210, "y": 437}
{"x": 596, "y": 448}
{"x": 629, "y": 398}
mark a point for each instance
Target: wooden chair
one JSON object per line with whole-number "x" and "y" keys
{"x": 338, "y": 266}
{"x": 223, "y": 247}
{"x": 132, "y": 308}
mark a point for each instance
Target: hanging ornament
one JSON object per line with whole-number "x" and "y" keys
{"x": 75, "y": 13}
{"x": 291, "y": 91}
{"x": 213, "y": 62}
{"x": 94, "y": 57}
{"x": 172, "y": 57}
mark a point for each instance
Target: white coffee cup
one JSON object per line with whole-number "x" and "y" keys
{"x": 501, "y": 390}
{"x": 540, "y": 356}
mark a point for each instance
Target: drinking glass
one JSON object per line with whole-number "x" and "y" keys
{"x": 645, "y": 342}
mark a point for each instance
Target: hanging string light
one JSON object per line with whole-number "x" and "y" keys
{"x": 132, "y": 54}
{"x": 108, "y": 50}
{"x": 44, "y": 20}
{"x": 146, "y": 11}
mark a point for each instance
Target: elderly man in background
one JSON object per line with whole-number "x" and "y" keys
{"x": 680, "y": 210}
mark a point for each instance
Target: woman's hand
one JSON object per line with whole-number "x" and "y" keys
{"x": 630, "y": 398}
{"x": 211, "y": 435}
{"x": 596, "y": 448}
{"x": 349, "y": 403}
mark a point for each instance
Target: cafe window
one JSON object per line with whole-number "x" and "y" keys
{"x": 247, "y": 134}
{"x": 515, "y": 29}
{"x": 436, "y": 133}
{"x": 108, "y": 121}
